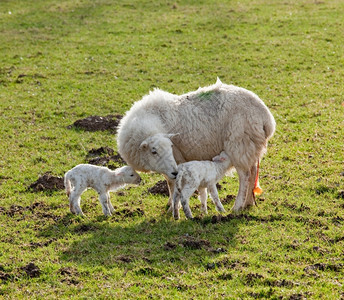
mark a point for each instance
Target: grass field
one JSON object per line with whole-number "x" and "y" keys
{"x": 62, "y": 61}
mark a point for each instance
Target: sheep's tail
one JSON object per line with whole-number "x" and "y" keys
{"x": 257, "y": 189}
{"x": 269, "y": 126}
{"x": 67, "y": 184}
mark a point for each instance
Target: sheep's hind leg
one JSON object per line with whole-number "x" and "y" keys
{"x": 104, "y": 202}
{"x": 244, "y": 176}
{"x": 215, "y": 197}
{"x": 250, "y": 198}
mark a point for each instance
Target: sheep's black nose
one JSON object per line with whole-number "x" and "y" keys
{"x": 175, "y": 174}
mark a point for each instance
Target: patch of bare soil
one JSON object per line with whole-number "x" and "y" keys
{"x": 101, "y": 151}
{"x": 228, "y": 199}
{"x": 104, "y": 156}
{"x": 32, "y": 270}
{"x": 129, "y": 213}
{"x": 160, "y": 188}
{"x": 271, "y": 218}
{"x": 47, "y": 182}
{"x": 84, "y": 228}
{"x": 42, "y": 244}
{"x": 124, "y": 258}
{"x": 193, "y": 243}
{"x": 324, "y": 267}
{"x": 5, "y": 276}
{"x": 98, "y": 123}
{"x": 106, "y": 160}
{"x": 18, "y": 209}
{"x": 69, "y": 275}
{"x": 169, "y": 246}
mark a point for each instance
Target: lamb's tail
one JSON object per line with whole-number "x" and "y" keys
{"x": 67, "y": 184}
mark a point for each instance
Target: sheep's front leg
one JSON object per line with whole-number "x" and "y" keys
{"x": 203, "y": 198}
{"x": 215, "y": 197}
{"x": 176, "y": 204}
{"x": 103, "y": 198}
{"x": 171, "y": 187}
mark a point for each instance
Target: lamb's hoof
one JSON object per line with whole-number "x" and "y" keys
{"x": 220, "y": 209}
{"x": 169, "y": 208}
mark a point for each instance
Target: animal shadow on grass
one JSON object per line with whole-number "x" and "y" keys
{"x": 150, "y": 241}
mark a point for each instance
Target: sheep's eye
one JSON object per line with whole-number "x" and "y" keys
{"x": 154, "y": 152}
{"x": 132, "y": 175}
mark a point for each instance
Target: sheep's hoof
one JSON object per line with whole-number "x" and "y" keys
{"x": 237, "y": 210}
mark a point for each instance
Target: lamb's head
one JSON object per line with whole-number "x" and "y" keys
{"x": 128, "y": 175}
{"x": 222, "y": 157}
{"x": 156, "y": 153}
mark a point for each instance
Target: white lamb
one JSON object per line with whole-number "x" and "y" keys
{"x": 102, "y": 179}
{"x": 201, "y": 175}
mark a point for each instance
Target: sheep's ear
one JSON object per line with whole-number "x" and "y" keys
{"x": 143, "y": 146}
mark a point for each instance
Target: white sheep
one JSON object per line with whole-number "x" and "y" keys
{"x": 102, "y": 179}
{"x": 198, "y": 125}
{"x": 201, "y": 175}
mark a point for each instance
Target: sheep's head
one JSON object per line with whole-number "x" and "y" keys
{"x": 128, "y": 175}
{"x": 157, "y": 154}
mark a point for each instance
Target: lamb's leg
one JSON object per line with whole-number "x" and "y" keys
{"x": 203, "y": 198}
{"x": 170, "y": 182}
{"x": 185, "y": 195}
{"x": 244, "y": 176}
{"x": 103, "y": 197}
{"x": 74, "y": 202}
{"x": 109, "y": 203}
{"x": 171, "y": 187}
{"x": 215, "y": 197}
{"x": 250, "y": 198}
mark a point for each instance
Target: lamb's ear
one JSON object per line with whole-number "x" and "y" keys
{"x": 172, "y": 136}
{"x": 218, "y": 158}
{"x": 143, "y": 146}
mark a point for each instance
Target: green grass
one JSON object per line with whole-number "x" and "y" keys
{"x": 66, "y": 60}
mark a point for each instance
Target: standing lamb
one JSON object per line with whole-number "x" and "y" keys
{"x": 198, "y": 125}
{"x": 201, "y": 175}
{"x": 102, "y": 179}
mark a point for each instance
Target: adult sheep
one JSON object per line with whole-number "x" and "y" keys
{"x": 163, "y": 130}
